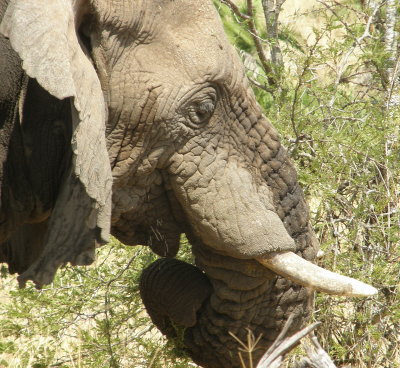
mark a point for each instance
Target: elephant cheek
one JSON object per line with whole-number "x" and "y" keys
{"x": 162, "y": 237}
{"x": 146, "y": 219}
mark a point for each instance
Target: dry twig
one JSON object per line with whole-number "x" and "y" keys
{"x": 274, "y": 356}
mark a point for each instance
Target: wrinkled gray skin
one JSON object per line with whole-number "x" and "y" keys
{"x": 190, "y": 152}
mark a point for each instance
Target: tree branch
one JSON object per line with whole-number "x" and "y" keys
{"x": 260, "y": 51}
{"x": 235, "y": 9}
{"x": 274, "y": 356}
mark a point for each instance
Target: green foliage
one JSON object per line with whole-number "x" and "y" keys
{"x": 89, "y": 317}
{"x": 237, "y": 29}
{"x": 331, "y": 111}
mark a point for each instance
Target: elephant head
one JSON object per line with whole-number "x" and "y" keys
{"x": 159, "y": 102}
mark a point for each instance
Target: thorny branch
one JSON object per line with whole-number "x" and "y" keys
{"x": 357, "y": 42}
{"x": 299, "y": 85}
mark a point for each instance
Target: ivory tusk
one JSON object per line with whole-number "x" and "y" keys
{"x": 305, "y": 273}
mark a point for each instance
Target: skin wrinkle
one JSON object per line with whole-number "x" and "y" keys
{"x": 147, "y": 213}
{"x": 133, "y": 18}
{"x": 164, "y": 108}
{"x": 115, "y": 50}
{"x": 277, "y": 297}
{"x": 123, "y": 52}
{"x": 233, "y": 196}
{"x": 226, "y": 293}
{"x": 145, "y": 122}
{"x": 141, "y": 137}
{"x": 113, "y": 135}
{"x": 113, "y": 118}
{"x": 236, "y": 310}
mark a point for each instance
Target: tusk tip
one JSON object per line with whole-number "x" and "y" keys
{"x": 360, "y": 289}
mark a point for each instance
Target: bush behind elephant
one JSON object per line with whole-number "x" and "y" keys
{"x": 137, "y": 119}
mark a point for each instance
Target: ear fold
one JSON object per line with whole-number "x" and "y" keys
{"x": 43, "y": 32}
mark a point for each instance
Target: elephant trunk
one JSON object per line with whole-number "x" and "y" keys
{"x": 246, "y": 297}
{"x": 172, "y": 292}
{"x": 239, "y": 296}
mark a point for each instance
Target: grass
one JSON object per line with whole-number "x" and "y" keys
{"x": 89, "y": 317}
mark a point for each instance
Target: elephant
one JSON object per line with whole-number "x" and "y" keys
{"x": 136, "y": 119}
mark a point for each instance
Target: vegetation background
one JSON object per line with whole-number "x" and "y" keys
{"x": 326, "y": 73}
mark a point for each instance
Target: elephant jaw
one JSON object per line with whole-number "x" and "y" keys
{"x": 300, "y": 271}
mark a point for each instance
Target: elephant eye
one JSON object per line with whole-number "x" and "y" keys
{"x": 200, "y": 112}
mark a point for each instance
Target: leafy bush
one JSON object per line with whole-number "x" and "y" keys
{"x": 89, "y": 317}
{"x": 332, "y": 109}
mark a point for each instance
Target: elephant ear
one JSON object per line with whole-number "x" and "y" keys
{"x": 43, "y": 33}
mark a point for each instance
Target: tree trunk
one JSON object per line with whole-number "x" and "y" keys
{"x": 272, "y": 10}
{"x": 391, "y": 45}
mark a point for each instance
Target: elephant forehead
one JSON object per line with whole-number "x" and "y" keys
{"x": 148, "y": 16}
{"x": 193, "y": 34}
{"x": 205, "y": 56}
{"x": 181, "y": 35}
{"x": 177, "y": 61}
